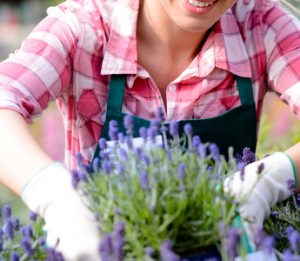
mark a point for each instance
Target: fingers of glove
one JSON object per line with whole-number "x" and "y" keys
{"x": 73, "y": 227}
{"x": 255, "y": 209}
{"x": 73, "y": 247}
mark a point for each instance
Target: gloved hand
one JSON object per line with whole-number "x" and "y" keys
{"x": 67, "y": 219}
{"x": 257, "y": 193}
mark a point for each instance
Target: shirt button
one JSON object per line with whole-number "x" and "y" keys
{"x": 172, "y": 88}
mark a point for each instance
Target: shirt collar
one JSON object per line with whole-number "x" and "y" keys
{"x": 224, "y": 47}
{"x": 120, "y": 54}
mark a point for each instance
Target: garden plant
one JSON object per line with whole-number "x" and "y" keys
{"x": 156, "y": 198}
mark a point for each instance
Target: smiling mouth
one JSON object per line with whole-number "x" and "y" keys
{"x": 200, "y": 4}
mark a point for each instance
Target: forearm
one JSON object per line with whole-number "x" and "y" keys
{"x": 20, "y": 155}
{"x": 294, "y": 153}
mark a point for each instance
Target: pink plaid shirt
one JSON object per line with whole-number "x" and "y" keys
{"x": 71, "y": 54}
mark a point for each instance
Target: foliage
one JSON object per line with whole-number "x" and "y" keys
{"x": 23, "y": 242}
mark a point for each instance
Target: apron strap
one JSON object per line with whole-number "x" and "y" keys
{"x": 116, "y": 92}
{"x": 244, "y": 86}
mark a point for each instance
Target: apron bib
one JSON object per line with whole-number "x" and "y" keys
{"x": 236, "y": 128}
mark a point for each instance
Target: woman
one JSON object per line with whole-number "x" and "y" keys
{"x": 196, "y": 59}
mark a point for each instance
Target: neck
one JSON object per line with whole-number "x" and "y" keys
{"x": 156, "y": 31}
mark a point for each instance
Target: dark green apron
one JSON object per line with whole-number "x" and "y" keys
{"x": 235, "y": 128}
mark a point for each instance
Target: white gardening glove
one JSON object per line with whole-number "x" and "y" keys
{"x": 67, "y": 219}
{"x": 257, "y": 193}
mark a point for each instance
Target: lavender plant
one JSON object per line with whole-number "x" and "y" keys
{"x": 23, "y": 242}
{"x": 158, "y": 201}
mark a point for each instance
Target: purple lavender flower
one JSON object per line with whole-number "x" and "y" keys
{"x": 164, "y": 129}
{"x": 1, "y": 232}
{"x": 240, "y": 165}
{"x": 27, "y": 231}
{"x": 160, "y": 114}
{"x": 294, "y": 239}
{"x": 145, "y": 159}
{"x": 144, "y": 180}
{"x": 259, "y": 236}
{"x": 151, "y": 133}
{"x": 128, "y": 141}
{"x": 118, "y": 241}
{"x": 32, "y": 216}
{"x": 248, "y": 156}
{"x": 106, "y": 248}
{"x": 128, "y": 124}
{"x": 274, "y": 214}
{"x": 25, "y": 243}
{"x": 6, "y": 211}
{"x": 267, "y": 244}
{"x": 14, "y": 257}
{"x": 96, "y": 165}
{"x": 113, "y": 130}
{"x": 107, "y": 167}
{"x": 138, "y": 152}
{"x": 122, "y": 153}
{"x": 149, "y": 251}
{"x": 214, "y": 151}
{"x": 291, "y": 186}
{"x": 155, "y": 124}
{"x": 1, "y": 244}
{"x": 16, "y": 223}
{"x": 75, "y": 178}
{"x": 202, "y": 150}
{"x": 289, "y": 230}
{"x": 53, "y": 255}
{"x": 121, "y": 170}
{"x": 287, "y": 255}
{"x": 42, "y": 241}
{"x": 143, "y": 133}
{"x": 118, "y": 211}
{"x": 170, "y": 154}
{"x": 174, "y": 128}
{"x": 181, "y": 171}
{"x": 196, "y": 141}
{"x": 232, "y": 242}
{"x": 121, "y": 137}
{"x": 9, "y": 229}
{"x": 102, "y": 144}
{"x": 104, "y": 155}
{"x": 166, "y": 253}
{"x": 188, "y": 130}
{"x": 79, "y": 159}
{"x": 82, "y": 176}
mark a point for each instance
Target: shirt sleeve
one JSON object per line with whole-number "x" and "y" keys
{"x": 282, "y": 43}
{"x": 42, "y": 68}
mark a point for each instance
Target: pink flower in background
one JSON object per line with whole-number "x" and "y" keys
{"x": 52, "y": 138}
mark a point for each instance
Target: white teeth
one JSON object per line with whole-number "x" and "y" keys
{"x": 199, "y": 3}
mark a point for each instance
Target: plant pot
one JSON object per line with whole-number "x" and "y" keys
{"x": 202, "y": 254}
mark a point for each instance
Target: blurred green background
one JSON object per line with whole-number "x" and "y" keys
{"x": 279, "y": 128}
